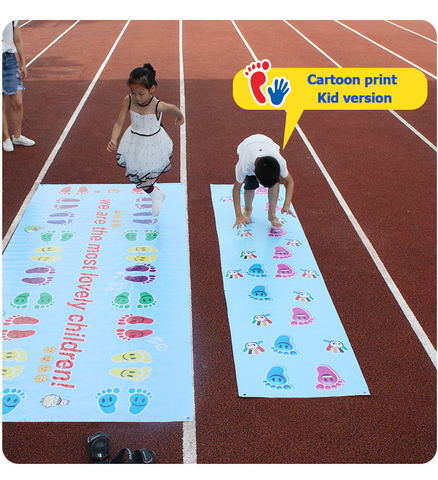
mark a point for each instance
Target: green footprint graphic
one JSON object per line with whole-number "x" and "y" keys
{"x": 121, "y": 300}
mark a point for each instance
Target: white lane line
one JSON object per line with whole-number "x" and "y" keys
{"x": 244, "y": 41}
{"x": 414, "y": 130}
{"x": 320, "y": 50}
{"x": 396, "y": 115}
{"x": 388, "y": 50}
{"x": 410, "y": 31}
{"x": 58, "y": 145}
{"x": 189, "y": 428}
{"x": 427, "y": 344}
{"x": 371, "y": 250}
{"x": 54, "y": 41}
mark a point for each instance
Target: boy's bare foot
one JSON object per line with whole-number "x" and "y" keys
{"x": 275, "y": 222}
{"x": 247, "y": 214}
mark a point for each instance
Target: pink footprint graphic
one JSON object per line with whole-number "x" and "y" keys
{"x": 20, "y": 320}
{"x": 16, "y": 334}
{"x": 276, "y": 232}
{"x": 327, "y": 378}
{"x": 134, "y": 320}
{"x": 285, "y": 271}
{"x": 257, "y": 78}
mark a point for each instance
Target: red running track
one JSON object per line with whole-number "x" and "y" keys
{"x": 384, "y": 171}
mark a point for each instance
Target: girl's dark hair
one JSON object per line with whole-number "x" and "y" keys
{"x": 144, "y": 75}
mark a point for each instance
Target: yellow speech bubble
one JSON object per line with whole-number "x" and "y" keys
{"x": 260, "y": 87}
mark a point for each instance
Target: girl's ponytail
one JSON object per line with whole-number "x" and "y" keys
{"x": 143, "y": 76}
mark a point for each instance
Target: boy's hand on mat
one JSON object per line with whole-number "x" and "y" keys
{"x": 241, "y": 220}
{"x": 112, "y": 145}
{"x": 288, "y": 211}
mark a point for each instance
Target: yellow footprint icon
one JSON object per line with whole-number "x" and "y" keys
{"x": 11, "y": 372}
{"x": 53, "y": 248}
{"x": 48, "y": 259}
{"x": 135, "y": 374}
{"x": 142, "y": 258}
{"x": 16, "y": 354}
{"x": 146, "y": 248}
{"x": 137, "y": 356}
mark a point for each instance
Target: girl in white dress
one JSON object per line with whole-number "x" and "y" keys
{"x": 145, "y": 148}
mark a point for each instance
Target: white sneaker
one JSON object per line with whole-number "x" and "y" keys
{"x": 7, "y": 145}
{"x": 27, "y": 142}
{"x": 157, "y": 197}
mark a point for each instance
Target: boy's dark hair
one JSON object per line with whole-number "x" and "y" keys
{"x": 143, "y": 76}
{"x": 267, "y": 171}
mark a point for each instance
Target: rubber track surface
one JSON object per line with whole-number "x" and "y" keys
{"x": 386, "y": 174}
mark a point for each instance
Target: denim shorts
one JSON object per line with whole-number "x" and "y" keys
{"x": 11, "y": 74}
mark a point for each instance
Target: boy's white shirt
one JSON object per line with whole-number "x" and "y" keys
{"x": 253, "y": 147}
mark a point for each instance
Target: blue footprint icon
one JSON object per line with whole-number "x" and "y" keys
{"x": 139, "y": 400}
{"x": 107, "y": 400}
{"x": 11, "y": 399}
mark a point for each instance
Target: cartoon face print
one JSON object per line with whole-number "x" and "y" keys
{"x": 51, "y": 400}
{"x": 253, "y": 347}
{"x": 248, "y": 255}
{"x": 234, "y": 274}
{"x": 309, "y": 273}
{"x": 304, "y": 296}
{"x": 335, "y": 346}
{"x": 262, "y": 319}
{"x": 44, "y": 368}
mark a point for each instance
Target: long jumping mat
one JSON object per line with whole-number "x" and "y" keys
{"x": 288, "y": 340}
{"x": 96, "y": 308}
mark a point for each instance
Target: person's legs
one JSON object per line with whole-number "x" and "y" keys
{"x": 272, "y": 199}
{"x": 17, "y": 119}
{"x": 5, "y": 120}
{"x": 157, "y": 196}
{"x": 248, "y": 196}
{"x": 251, "y": 185}
{"x": 16, "y": 113}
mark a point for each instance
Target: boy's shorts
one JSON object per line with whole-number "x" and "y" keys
{"x": 251, "y": 182}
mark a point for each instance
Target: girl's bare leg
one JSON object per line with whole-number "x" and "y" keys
{"x": 157, "y": 196}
